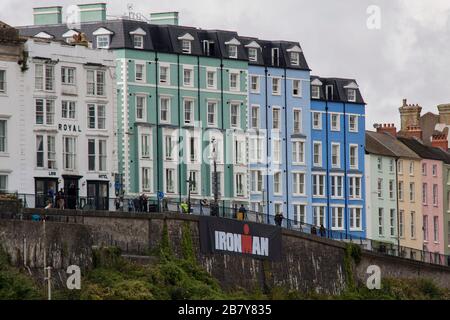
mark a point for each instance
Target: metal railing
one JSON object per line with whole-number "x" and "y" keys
{"x": 198, "y": 207}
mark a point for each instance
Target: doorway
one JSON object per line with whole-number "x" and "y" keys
{"x": 98, "y": 195}
{"x": 44, "y": 191}
{"x": 71, "y": 190}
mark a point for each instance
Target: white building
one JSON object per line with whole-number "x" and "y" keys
{"x": 60, "y": 116}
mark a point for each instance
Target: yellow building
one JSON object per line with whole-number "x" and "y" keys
{"x": 410, "y": 204}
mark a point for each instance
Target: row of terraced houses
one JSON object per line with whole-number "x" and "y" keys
{"x": 112, "y": 107}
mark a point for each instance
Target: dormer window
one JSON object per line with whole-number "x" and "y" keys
{"x": 351, "y": 95}
{"x": 295, "y": 58}
{"x": 329, "y": 91}
{"x": 315, "y": 92}
{"x": 232, "y": 51}
{"x": 103, "y": 38}
{"x": 69, "y": 36}
{"x": 138, "y": 42}
{"x": 351, "y": 91}
{"x": 208, "y": 48}
{"x": 252, "y": 54}
{"x": 275, "y": 56}
{"x": 253, "y": 51}
{"x": 186, "y": 43}
{"x": 103, "y": 42}
{"x": 186, "y": 46}
{"x": 315, "y": 88}
{"x": 294, "y": 55}
{"x": 232, "y": 47}
{"x": 138, "y": 38}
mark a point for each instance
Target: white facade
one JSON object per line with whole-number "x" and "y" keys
{"x": 61, "y": 120}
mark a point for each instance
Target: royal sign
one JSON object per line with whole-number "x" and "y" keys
{"x": 240, "y": 237}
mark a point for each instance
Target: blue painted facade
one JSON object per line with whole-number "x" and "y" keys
{"x": 293, "y": 205}
{"x": 339, "y": 138}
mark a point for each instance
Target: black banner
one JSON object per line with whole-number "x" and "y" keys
{"x": 240, "y": 237}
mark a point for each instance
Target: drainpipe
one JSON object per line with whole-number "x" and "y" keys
{"x": 267, "y": 143}
{"x": 327, "y": 173}
{"x": 398, "y": 205}
{"x": 345, "y": 176}
{"x": 179, "y": 128}
{"x": 286, "y": 147}
{"x": 158, "y": 163}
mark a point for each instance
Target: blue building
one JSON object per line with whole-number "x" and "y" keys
{"x": 279, "y": 125}
{"x": 337, "y": 156}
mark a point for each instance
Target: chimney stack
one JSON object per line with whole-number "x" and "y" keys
{"x": 387, "y": 128}
{"x": 47, "y": 15}
{"x": 170, "y": 18}
{"x": 413, "y": 132}
{"x": 409, "y": 115}
{"x": 92, "y": 12}
{"x": 439, "y": 141}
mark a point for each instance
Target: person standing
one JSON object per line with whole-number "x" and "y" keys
{"x": 322, "y": 231}
{"x": 242, "y": 212}
{"x": 279, "y": 219}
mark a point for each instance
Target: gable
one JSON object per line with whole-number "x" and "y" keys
{"x": 186, "y": 36}
{"x": 102, "y": 31}
{"x": 44, "y": 35}
{"x": 138, "y": 32}
{"x": 233, "y": 42}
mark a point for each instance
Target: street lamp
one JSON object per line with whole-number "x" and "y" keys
{"x": 190, "y": 184}
{"x": 215, "y": 207}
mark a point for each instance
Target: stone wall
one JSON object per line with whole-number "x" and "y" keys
{"x": 308, "y": 262}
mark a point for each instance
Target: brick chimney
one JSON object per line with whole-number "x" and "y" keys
{"x": 387, "y": 128}
{"x": 413, "y": 131}
{"x": 439, "y": 141}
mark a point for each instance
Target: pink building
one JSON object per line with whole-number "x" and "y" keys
{"x": 432, "y": 196}
{"x": 432, "y": 204}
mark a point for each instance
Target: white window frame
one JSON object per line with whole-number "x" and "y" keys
{"x": 208, "y": 104}
{"x": 69, "y": 153}
{"x": 258, "y": 86}
{"x": 276, "y": 80}
{"x": 144, "y": 106}
{"x": 192, "y": 113}
{"x": 317, "y": 178}
{"x": 319, "y": 155}
{"x": 298, "y": 152}
{"x": 319, "y": 119}
{"x": 190, "y": 69}
{"x": 99, "y": 118}
{"x": 298, "y": 88}
{"x": 300, "y": 120}
{"x": 351, "y": 95}
{"x": 236, "y": 105}
{"x": 355, "y": 127}
{"x": 161, "y": 98}
{"x": 4, "y": 136}
{"x": 66, "y": 77}
{"x": 67, "y": 112}
{"x": 214, "y": 84}
{"x": 45, "y": 81}
{"x": 146, "y": 179}
{"x": 103, "y": 41}
{"x": 353, "y": 217}
{"x": 276, "y": 110}
{"x": 143, "y": 73}
{"x": 3, "y": 81}
{"x": 232, "y": 51}
{"x": 167, "y": 80}
{"x": 336, "y": 212}
{"x": 355, "y": 192}
{"x": 254, "y": 119}
{"x": 337, "y": 126}
{"x": 252, "y": 54}
{"x": 279, "y": 183}
{"x": 356, "y": 164}
{"x": 140, "y": 41}
{"x": 300, "y": 188}
{"x": 337, "y": 189}
{"x": 315, "y": 92}
{"x": 338, "y": 155}
{"x": 238, "y": 81}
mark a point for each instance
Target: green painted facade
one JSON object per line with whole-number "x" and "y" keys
{"x": 387, "y": 202}
{"x": 129, "y": 89}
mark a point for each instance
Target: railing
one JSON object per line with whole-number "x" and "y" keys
{"x": 198, "y": 207}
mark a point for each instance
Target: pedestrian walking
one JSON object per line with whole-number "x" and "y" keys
{"x": 242, "y": 213}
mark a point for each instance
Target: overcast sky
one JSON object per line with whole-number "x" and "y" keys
{"x": 407, "y": 57}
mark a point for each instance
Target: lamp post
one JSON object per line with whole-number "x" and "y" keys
{"x": 215, "y": 207}
{"x": 190, "y": 183}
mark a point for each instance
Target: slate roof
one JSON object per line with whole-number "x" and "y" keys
{"x": 339, "y": 92}
{"x": 424, "y": 151}
{"x": 164, "y": 38}
{"x": 387, "y": 145}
